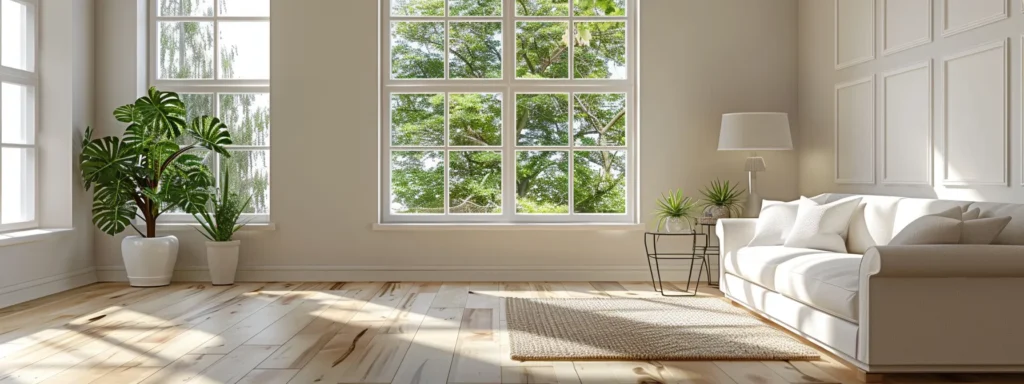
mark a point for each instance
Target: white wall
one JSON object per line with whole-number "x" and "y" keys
{"x": 699, "y": 59}
{"x": 893, "y": 137}
{"x": 62, "y": 261}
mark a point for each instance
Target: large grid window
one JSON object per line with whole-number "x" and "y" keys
{"x": 216, "y": 55}
{"x": 18, "y": 84}
{"x": 508, "y": 111}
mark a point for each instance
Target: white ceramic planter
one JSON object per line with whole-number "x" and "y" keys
{"x": 149, "y": 261}
{"x": 222, "y": 257}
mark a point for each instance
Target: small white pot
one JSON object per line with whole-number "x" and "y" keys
{"x": 222, "y": 256}
{"x": 149, "y": 261}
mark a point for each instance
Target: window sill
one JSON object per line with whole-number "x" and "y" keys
{"x": 180, "y": 227}
{"x": 508, "y": 227}
{"x": 32, "y": 235}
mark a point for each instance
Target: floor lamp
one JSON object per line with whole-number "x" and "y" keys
{"x": 754, "y": 131}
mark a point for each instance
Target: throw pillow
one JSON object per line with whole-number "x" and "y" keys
{"x": 973, "y": 214}
{"x": 931, "y": 229}
{"x": 822, "y": 226}
{"x": 983, "y": 231}
{"x": 774, "y": 223}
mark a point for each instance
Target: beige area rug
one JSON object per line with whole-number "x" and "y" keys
{"x": 670, "y": 328}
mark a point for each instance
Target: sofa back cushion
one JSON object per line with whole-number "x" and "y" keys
{"x": 871, "y": 223}
{"x": 1013, "y": 234}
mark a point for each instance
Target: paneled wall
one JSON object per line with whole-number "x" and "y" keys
{"x": 911, "y": 97}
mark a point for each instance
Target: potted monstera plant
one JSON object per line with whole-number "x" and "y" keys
{"x": 146, "y": 173}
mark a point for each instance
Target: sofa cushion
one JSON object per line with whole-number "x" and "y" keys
{"x": 871, "y": 223}
{"x": 908, "y": 210}
{"x": 930, "y": 229}
{"x": 822, "y": 226}
{"x": 774, "y": 223}
{"x": 983, "y": 231}
{"x": 1013, "y": 234}
{"x": 826, "y": 281}
{"x": 758, "y": 264}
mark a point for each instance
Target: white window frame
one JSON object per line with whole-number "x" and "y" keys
{"x": 214, "y": 87}
{"x": 508, "y": 86}
{"x": 30, "y": 79}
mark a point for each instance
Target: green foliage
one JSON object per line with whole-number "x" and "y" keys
{"x": 147, "y": 171}
{"x": 222, "y": 224}
{"x": 675, "y": 205}
{"x": 724, "y": 195}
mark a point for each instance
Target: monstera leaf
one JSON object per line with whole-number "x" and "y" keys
{"x": 210, "y": 133}
{"x": 162, "y": 113}
{"x": 104, "y": 159}
{"x": 112, "y": 206}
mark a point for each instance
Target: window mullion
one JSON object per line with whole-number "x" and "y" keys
{"x": 508, "y": 112}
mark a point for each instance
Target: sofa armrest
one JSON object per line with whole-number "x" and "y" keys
{"x": 733, "y": 234}
{"x": 961, "y": 260}
{"x": 926, "y": 305}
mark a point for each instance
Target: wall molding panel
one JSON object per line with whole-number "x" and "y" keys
{"x": 854, "y": 32}
{"x": 854, "y": 132}
{"x": 971, "y": 14}
{"x": 905, "y": 121}
{"x": 975, "y": 116}
{"x": 911, "y": 24}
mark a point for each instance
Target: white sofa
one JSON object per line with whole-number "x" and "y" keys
{"x": 941, "y": 308}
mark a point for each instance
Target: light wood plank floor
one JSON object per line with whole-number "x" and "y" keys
{"x": 269, "y": 333}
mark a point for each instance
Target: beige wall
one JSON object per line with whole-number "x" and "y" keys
{"x": 978, "y": 135}
{"x": 65, "y": 260}
{"x": 699, "y": 59}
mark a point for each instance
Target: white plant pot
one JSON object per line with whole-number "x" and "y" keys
{"x": 149, "y": 261}
{"x": 222, "y": 256}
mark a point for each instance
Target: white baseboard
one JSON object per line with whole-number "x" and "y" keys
{"x": 421, "y": 273}
{"x": 34, "y": 289}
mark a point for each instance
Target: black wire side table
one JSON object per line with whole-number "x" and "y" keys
{"x": 711, "y": 250}
{"x": 697, "y": 252}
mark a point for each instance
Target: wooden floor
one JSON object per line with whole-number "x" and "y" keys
{"x": 335, "y": 333}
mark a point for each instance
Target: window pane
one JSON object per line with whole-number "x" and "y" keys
{"x": 542, "y": 50}
{"x": 599, "y": 119}
{"x": 475, "y": 182}
{"x": 475, "y": 50}
{"x": 18, "y": 109}
{"x": 542, "y": 8}
{"x": 417, "y": 50}
{"x": 247, "y": 116}
{"x": 474, "y": 119}
{"x": 417, "y": 7}
{"x": 185, "y": 50}
{"x": 18, "y": 185}
{"x": 250, "y": 176}
{"x": 474, "y": 7}
{"x": 245, "y": 8}
{"x": 599, "y": 182}
{"x": 245, "y": 50}
{"x": 16, "y": 52}
{"x": 417, "y": 182}
{"x": 186, "y": 7}
{"x": 417, "y": 119}
{"x": 600, "y": 50}
{"x": 542, "y": 119}
{"x": 542, "y": 182}
{"x": 196, "y": 105}
{"x": 600, "y": 7}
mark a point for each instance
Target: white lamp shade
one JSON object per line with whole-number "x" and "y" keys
{"x": 756, "y": 131}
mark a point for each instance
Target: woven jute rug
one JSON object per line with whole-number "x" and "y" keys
{"x": 676, "y": 328}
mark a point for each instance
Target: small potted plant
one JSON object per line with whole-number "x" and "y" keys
{"x": 146, "y": 173}
{"x": 722, "y": 200}
{"x": 675, "y": 211}
{"x": 219, "y": 227}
